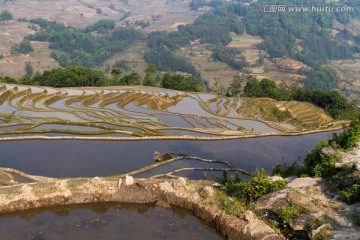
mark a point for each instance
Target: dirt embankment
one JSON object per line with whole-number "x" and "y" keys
{"x": 180, "y": 193}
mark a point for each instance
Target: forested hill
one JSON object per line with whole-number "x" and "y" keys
{"x": 310, "y": 48}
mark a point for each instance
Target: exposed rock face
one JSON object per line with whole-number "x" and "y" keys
{"x": 303, "y": 183}
{"x": 311, "y": 194}
{"x": 257, "y": 229}
{"x": 317, "y": 231}
{"x": 301, "y": 222}
{"x": 163, "y": 193}
{"x": 274, "y": 201}
{"x": 351, "y": 158}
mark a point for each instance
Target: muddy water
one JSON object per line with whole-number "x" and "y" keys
{"x": 81, "y": 158}
{"x": 105, "y": 221}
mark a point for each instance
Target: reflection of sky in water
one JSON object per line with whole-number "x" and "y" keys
{"x": 174, "y": 120}
{"x": 188, "y": 133}
{"x": 103, "y": 158}
{"x": 205, "y": 97}
{"x": 194, "y": 122}
{"x": 6, "y": 108}
{"x": 126, "y": 112}
{"x": 74, "y": 92}
{"x": 188, "y": 106}
{"x": 105, "y": 221}
{"x": 14, "y": 127}
{"x": 60, "y": 104}
{"x": 132, "y": 107}
{"x": 191, "y": 106}
{"x": 207, "y": 123}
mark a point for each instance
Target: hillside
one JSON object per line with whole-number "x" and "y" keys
{"x": 211, "y": 40}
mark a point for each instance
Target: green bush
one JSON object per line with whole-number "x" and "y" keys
{"x": 259, "y": 185}
{"x": 288, "y": 214}
{"x": 24, "y": 47}
{"x": 350, "y": 137}
{"x": 6, "y": 15}
{"x": 318, "y": 164}
{"x": 351, "y": 194}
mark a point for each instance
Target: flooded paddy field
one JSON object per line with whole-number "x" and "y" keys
{"x": 105, "y": 221}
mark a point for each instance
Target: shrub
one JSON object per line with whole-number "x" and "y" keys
{"x": 288, "y": 214}
{"x": 351, "y": 194}
{"x": 6, "y": 15}
{"x": 24, "y": 47}
{"x": 350, "y": 137}
{"x": 259, "y": 185}
{"x": 229, "y": 205}
{"x": 318, "y": 164}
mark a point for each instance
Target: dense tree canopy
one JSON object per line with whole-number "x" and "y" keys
{"x": 284, "y": 33}
{"x": 101, "y": 26}
{"x": 73, "y": 46}
{"x": 232, "y": 56}
{"x": 24, "y": 47}
{"x": 180, "y": 82}
{"x": 324, "y": 78}
{"x": 331, "y": 101}
{"x": 7, "y": 79}
{"x": 166, "y": 60}
{"x": 75, "y": 76}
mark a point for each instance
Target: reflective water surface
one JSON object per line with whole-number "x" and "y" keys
{"x": 105, "y": 221}
{"x": 81, "y": 158}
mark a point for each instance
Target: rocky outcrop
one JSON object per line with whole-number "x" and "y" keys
{"x": 318, "y": 205}
{"x": 304, "y": 220}
{"x": 129, "y": 190}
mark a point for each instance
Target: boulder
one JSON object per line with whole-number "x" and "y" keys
{"x": 275, "y": 201}
{"x": 301, "y": 222}
{"x": 327, "y": 151}
{"x": 209, "y": 191}
{"x": 318, "y": 230}
{"x": 257, "y": 229}
{"x": 129, "y": 180}
{"x": 181, "y": 182}
{"x": 304, "y": 182}
{"x": 277, "y": 178}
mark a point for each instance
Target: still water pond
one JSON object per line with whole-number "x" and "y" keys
{"x": 105, "y": 221}
{"x": 77, "y": 158}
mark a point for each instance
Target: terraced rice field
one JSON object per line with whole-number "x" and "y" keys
{"x": 119, "y": 112}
